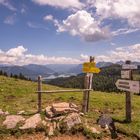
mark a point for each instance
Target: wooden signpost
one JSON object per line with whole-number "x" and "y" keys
{"x": 89, "y": 68}
{"x": 128, "y": 84}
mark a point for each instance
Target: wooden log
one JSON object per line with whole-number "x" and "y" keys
{"x": 128, "y": 106}
{"x": 85, "y": 94}
{"x": 61, "y": 91}
{"x": 39, "y": 93}
{"x": 128, "y": 98}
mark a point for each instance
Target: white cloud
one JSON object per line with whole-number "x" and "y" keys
{"x": 48, "y": 17}
{"x": 10, "y": 19}
{"x": 84, "y": 25}
{"x": 36, "y": 26}
{"x": 61, "y": 3}
{"x": 123, "y": 9}
{"x": 123, "y": 31}
{"x": 51, "y": 18}
{"x": 122, "y": 53}
{"x": 84, "y": 57}
{"x": 20, "y": 56}
{"x": 7, "y": 4}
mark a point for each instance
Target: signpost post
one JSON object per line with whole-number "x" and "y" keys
{"x": 128, "y": 84}
{"x": 89, "y": 68}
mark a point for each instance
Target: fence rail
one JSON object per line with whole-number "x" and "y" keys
{"x": 60, "y": 91}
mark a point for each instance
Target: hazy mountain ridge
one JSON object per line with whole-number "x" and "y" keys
{"x": 52, "y": 70}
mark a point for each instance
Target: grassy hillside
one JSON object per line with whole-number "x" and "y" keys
{"x": 16, "y": 95}
{"x": 103, "y": 81}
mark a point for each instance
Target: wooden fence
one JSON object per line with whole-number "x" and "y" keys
{"x": 86, "y": 91}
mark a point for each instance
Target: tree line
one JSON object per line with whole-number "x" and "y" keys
{"x": 16, "y": 76}
{"x": 104, "y": 81}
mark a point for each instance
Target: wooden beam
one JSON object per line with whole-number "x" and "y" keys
{"x": 59, "y": 91}
{"x": 39, "y": 93}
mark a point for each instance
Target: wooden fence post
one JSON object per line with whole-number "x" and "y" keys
{"x": 128, "y": 99}
{"x": 87, "y": 85}
{"x": 39, "y": 93}
{"x": 128, "y": 106}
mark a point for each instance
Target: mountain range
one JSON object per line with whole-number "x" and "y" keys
{"x": 51, "y": 71}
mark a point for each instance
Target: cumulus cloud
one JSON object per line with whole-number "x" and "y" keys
{"x": 84, "y": 25}
{"x": 122, "y": 53}
{"x": 61, "y": 3}
{"x": 7, "y": 4}
{"x": 123, "y": 9}
{"x": 20, "y": 56}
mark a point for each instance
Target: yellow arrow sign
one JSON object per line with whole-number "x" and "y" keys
{"x": 90, "y": 67}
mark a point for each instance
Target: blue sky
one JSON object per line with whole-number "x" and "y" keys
{"x": 68, "y": 31}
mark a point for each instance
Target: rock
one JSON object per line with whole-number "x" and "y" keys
{"x": 61, "y": 105}
{"x": 93, "y": 130}
{"x": 21, "y": 112}
{"x": 105, "y": 121}
{"x": 72, "y": 119}
{"x": 47, "y": 138}
{"x": 52, "y": 126}
{"x": 44, "y": 122}
{"x": 32, "y": 122}
{"x": 48, "y": 111}
{"x": 60, "y": 118}
{"x": 12, "y": 120}
{"x": 72, "y": 105}
{"x": 61, "y": 108}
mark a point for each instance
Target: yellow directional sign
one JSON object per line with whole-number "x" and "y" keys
{"x": 90, "y": 67}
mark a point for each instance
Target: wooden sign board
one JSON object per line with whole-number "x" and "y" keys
{"x": 128, "y": 85}
{"x": 90, "y": 67}
{"x": 126, "y": 74}
{"x": 136, "y": 75}
{"x": 129, "y": 66}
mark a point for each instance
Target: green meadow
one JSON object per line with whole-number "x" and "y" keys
{"x": 17, "y": 95}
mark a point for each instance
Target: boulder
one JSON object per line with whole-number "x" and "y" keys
{"x": 105, "y": 121}
{"x": 72, "y": 119}
{"x": 32, "y": 122}
{"x": 12, "y": 120}
{"x": 62, "y": 108}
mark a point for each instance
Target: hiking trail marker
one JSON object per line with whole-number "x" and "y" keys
{"x": 89, "y": 68}
{"x": 130, "y": 83}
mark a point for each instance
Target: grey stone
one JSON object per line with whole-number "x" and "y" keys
{"x": 12, "y": 120}
{"x": 72, "y": 119}
{"x": 105, "y": 121}
{"x": 32, "y": 122}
